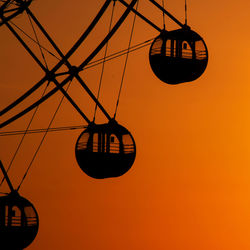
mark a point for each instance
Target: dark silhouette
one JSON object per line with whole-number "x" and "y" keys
{"x": 105, "y": 150}
{"x": 178, "y": 56}
{"x": 18, "y": 219}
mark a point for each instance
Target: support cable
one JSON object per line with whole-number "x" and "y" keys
{"x": 97, "y": 50}
{"x": 54, "y": 90}
{"x": 104, "y": 59}
{"x": 35, "y": 111}
{"x": 33, "y": 40}
{"x": 119, "y": 53}
{"x": 108, "y": 37}
{"x": 79, "y": 68}
{"x": 22, "y": 139}
{"x": 90, "y": 65}
{"x": 25, "y": 46}
{"x": 6, "y": 177}
{"x": 41, "y": 130}
{"x": 126, "y": 61}
{"x": 35, "y": 104}
{"x": 61, "y": 62}
{"x": 141, "y": 16}
{"x": 49, "y": 74}
{"x": 72, "y": 70}
{"x": 163, "y": 16}
{"x": 167, "y": 13}
{"x": 44, "y": 136}
{"x": 37, "y": 40}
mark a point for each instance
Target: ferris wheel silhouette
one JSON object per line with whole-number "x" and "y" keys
{"x": 102, "y": 150}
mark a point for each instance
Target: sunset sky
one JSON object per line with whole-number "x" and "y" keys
{"x": 189, "y": 188}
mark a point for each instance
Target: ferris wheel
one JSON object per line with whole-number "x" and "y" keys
{"x": 104, "y": 150}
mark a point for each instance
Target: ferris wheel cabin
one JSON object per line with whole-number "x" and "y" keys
{"x": 105, "y": 150}
{"x": 178, "y": 56}
{"x": 18, "y": 222}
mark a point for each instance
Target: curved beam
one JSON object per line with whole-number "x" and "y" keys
{"x": 70, "y": 52}
{"x": 110, "y": 34}
{"x": 77, "y": 69}
{"x": 24, "y": 96}
{"x": 88, "y": 30}
{"x": 25, "y": 111}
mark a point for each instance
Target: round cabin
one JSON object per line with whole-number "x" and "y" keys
{"x": 178, "y": 56}
{"x": 18, "y": 222}
{"x": 105, "y": 150}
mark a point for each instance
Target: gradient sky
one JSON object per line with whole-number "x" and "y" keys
{"x": 189, "y": 187}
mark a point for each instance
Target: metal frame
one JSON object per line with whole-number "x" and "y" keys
{"x": 73, "y": 71}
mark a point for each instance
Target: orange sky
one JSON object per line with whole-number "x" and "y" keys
{"x": 189, "y": 187}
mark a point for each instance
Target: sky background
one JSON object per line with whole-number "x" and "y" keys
{"x": 189, "y": 187}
